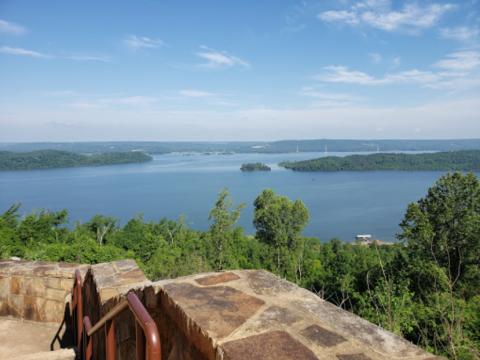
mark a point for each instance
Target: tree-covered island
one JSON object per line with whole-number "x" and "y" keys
{"x": 441, "y": 161}
{"x": 45, "y": 159}
{"x": 255, "y": 167}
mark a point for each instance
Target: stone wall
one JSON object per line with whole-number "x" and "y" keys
{"x": 230, "y": 315}
{"x": 236, "y": 315}
{"x": 36, "y": 290}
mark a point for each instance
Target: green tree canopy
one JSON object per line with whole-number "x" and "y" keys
{"x": 443, "y": 229}
{"x": 224, "y": 219}
{"x": 279, "y": 222}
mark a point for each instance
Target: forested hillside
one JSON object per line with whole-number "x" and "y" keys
{"x": 441, "y": 161}
{"x": 425, "y": 288}
{"x": 45, "y": 159}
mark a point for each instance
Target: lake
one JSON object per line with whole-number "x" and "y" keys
{"x": 341, "y": 204}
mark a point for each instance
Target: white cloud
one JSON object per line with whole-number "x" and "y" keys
{"x": 459, "y": 71}
{"x": 20, "y": 51}
{"x": 461, "y": 33}
{"x": 293, "y": 19}
{"x": 341, "y": 74}
{"x": 376, "y": 58}
{"x": 85, "y": 57}
{"x": 396, "y": 62}
{"x": 132, "y": 100}
{"x": 378, "y": 14}
{"x": 413, "y": 76}
{"x": 195, "y": 94}
{"x": 348, "y": 17}
{"x": 219, "y": 59}
{"x": 11, "y": 28}
{"x": 330, "y": 96}
{"x": 202, "y": 97}
{"x": 93, "y": 101}
{"x": 324, "y": 100}
{"x": 460, "y": 61}
{"x": 135, "y": 43}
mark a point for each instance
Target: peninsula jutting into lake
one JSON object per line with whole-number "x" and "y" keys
{"x": 47, "y": 159}
{"x": 442, "y": 161}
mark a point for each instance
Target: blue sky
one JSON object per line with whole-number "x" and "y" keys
{"x": 239, "y": 70}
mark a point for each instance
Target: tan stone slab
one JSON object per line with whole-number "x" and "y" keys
{"x": 219, "y": 310}
{"x": 53, "y": 311}
{"x": 372, "y": 336}
{"x": 277, "y": 314}
{"x": 354, "y": 357}
{"x": 32, "y": 287}
{"x": 125, "y": 265}
{"x": 322, "y": 337}
{"x": 55, "y": 294}
{"x": 217, "y": 279}
{"x": 106, "y": 294}
{"x": 15, "y": 285}
{"x": 16, "y": 303}
{"x": 274, "y": 345}
{"x": 40, "y": 268}
{"x": 52, "y": 283}
{"x": 4, "y": 288}
{"x": 66, "y": 285}
{"x": 7, "y": 310}
{"x": 265, "y": 283}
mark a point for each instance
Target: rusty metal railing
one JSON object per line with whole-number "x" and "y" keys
{"x": 76, "y": 312}
{"x": 148, "y": 341}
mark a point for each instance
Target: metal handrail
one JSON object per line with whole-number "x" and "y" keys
{"x": 146, "y": 329}
{"x": 77, "y": 309}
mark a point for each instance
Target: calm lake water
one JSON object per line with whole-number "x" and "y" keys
{"x": 341, "y": 204}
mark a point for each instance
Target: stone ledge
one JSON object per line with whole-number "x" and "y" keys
{"x": 226, "y": 315}
{"x": 36, "y": 290}
{"x": 253, "y": 314}
{"x": 41, "y": 269}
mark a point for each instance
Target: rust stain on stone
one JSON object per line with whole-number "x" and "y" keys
{"x": 354, "y": 357}
{"x": 217, "y": 279}
{"x": 264, "y": 283}
{"x": 273, "y": 345}
{"x": 15, "y": 285}
{"x": 7, "y": 310}
{"x": 322, "y": 337}
{"x": 30, "y": 311}
{"x": 220, "y": 309}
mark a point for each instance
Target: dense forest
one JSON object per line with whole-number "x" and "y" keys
{"x": 45, "y": 159}
{"x": 424, "y": 288}
{"x": 255, "y": 167}
{"x": 275, "y": 147}
{"x": 441, "y": 161}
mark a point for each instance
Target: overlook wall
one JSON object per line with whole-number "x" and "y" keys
{"x": 36, "y": 290}
{"x": 230, "y": 315}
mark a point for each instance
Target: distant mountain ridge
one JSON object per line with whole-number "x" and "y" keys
{"x": 275, "y": 147}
